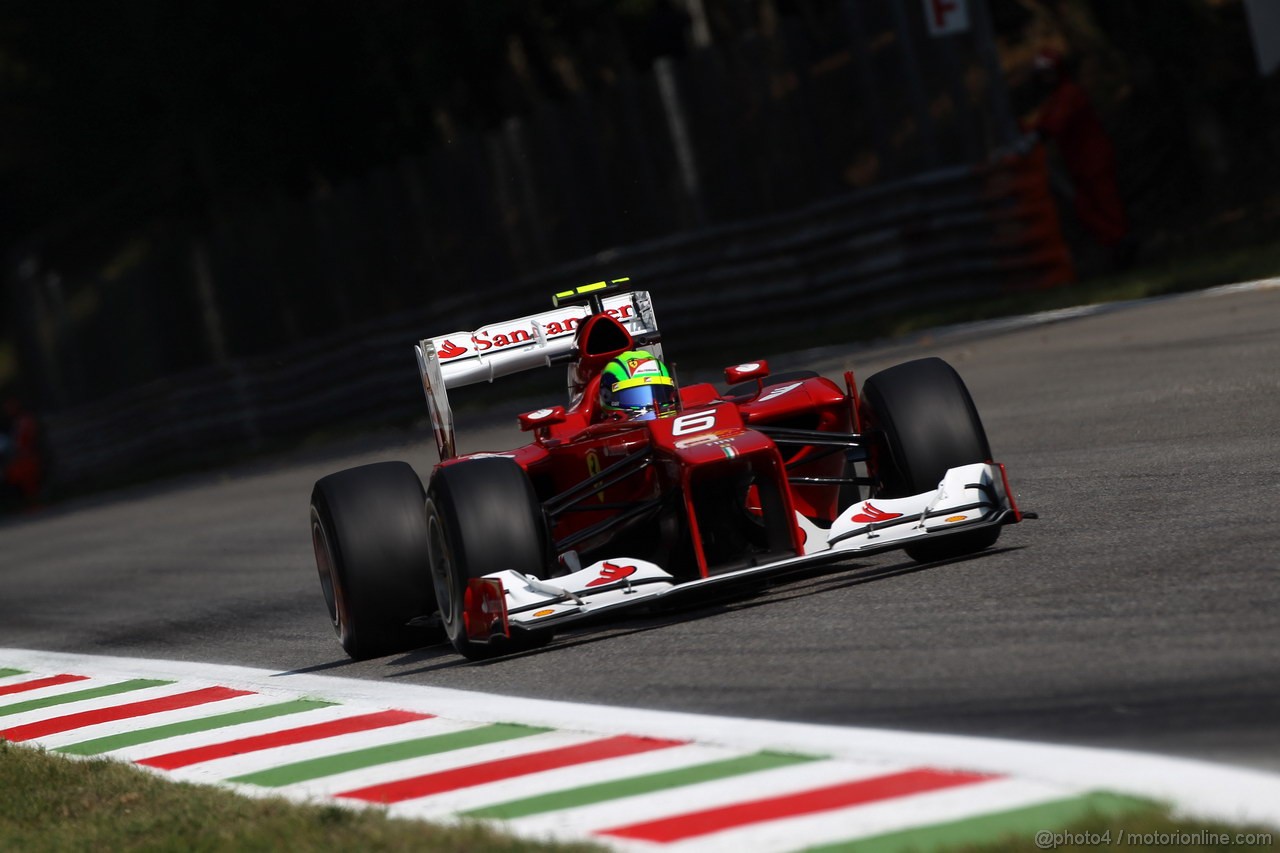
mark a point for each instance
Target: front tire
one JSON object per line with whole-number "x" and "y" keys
{"x": 483, "y": 516}
{"x": 370, "y": 540}
{"x": 928, "y": 424}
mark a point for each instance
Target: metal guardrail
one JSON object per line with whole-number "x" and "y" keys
{"x": 950, "y": 235}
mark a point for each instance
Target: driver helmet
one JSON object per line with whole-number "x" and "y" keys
{"x": 637, "y": 386}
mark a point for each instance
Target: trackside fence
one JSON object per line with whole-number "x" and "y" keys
{"x": 945, "y": 236}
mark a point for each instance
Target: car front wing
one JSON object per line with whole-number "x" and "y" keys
{"x": 968, "y": 497}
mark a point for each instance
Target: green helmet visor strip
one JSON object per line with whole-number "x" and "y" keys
{"x": 637, "y": 383}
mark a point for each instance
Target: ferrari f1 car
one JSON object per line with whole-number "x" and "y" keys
{"x": 600, "y": 512}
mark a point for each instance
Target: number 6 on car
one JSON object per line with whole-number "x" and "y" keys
{"x": 696, "y": 422}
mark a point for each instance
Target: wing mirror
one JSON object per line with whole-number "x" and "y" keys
{"x": 541, "y": 418}
{"x": 743, "y": 372}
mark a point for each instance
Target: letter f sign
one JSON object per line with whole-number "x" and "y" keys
{"x": 945, "y": 17}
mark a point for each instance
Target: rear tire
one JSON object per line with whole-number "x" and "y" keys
{"x": 483, "y": 516}
{"x": 928, "y": 423}
{"x": 370, "y": 540}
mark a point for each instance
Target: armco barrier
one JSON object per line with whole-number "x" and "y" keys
{"x": 947, "y": 236}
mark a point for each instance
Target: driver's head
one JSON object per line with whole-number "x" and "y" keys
{"x": 637, "y": 386}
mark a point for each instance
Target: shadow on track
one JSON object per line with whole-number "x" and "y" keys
{"x": 801, "y": 584}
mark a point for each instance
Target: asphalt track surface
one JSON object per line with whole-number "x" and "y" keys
{"x": 1142, "y": 610}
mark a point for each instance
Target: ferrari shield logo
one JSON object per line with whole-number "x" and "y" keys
{"x": 643, "y": 365}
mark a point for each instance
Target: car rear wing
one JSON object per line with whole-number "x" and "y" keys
{"x": 514, "y": 346}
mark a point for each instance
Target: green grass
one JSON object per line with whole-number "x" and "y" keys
{"x": 52, "y": 803}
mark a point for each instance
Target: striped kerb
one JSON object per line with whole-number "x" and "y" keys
{"x": 757, "y": 803}
{"x": 38, "y": 683}
{"x": 637, "y": 785}
{"x": 507, "y": 768}
{"x": 287, "y": 737}
{"x": 692, "y": 824}
{"x": 97, "y": 746}
{"x": 81, "y": 695}
{"x": 315, "y": 768}
{"x": 68, "y": 722}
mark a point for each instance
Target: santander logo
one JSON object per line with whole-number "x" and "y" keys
{"x": 450, "y": 350}
{"x": 871, "y": 514}
{"x": 516, "y": 332}
{"x": 610, "y": 573}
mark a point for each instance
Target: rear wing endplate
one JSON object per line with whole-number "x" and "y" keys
{"x": 514, "y": 346}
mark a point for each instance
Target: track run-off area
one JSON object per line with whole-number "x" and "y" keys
{"x": 1137, "y": 614}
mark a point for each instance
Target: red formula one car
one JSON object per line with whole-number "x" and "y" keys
{"x": 637, "y": 492}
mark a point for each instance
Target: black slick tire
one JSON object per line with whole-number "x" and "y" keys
{"x": 483, "y": 516}
{"x": 369, "y": 533}
{"x": 927, "y": 423}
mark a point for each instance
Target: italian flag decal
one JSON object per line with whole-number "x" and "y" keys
{"x": 639, "y": 781}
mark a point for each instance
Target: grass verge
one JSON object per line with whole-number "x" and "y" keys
{"x": 52, "y": 803}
